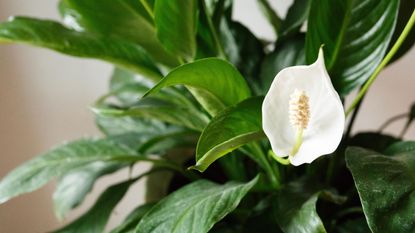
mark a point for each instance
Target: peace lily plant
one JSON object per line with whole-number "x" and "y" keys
{"x": 187, "y": 96}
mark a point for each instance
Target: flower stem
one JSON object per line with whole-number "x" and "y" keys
{"x": 298, "y": 141}
{"x": 272, "y": 173}
{"x": 384, "y": 62}
{"x": 279, "y": 159}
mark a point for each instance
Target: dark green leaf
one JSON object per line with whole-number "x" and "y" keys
{"x": 400, "y": 147}
{"x": 123, "y": 125}
{"x": 52, "y": 35}
{"x": 287, "y": 53}
{"x": 129, "y": 224}
{"x": 195, "y": 208}
{"x": 229, "y": 130}
{"x": 295, "y": 208}
{"x": 176, "y": 23}
{"x": 358, "y": 225}
{"x": 355, "y": 35}
{"x": 406, "y": 8}
{"x": 38, "y": 171}
{"x": 217, "y": 82}
{"x": 75, "y": 185}
{"x": 386, "y": 187}
{"x": 97, "y": 217}
{"x": 295, "y": 18}
{"x": 374, "y": 141}
{"x": 271, "y": 15}
{"x": 125, "y": 19}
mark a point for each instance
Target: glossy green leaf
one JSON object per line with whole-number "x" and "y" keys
{"x": 52, "y": 35}
{"x": 176, "y": 23}
{"x": 40, "y": 170}
{"x": 355, "y": 35}
{"x": 295, "y": 208}
{"x": 194, "y": 208}
{"x": 75, "y": 185}
{"x": 217, "y": 82}
{"x": 287, "y": 53}
{"x": 126, "y": 19}
{"x": 124, "y": 125}
{"x": 97, "y": 217}
{"x": 159, "y": 110}
{"x": 386, "y": 188}
{"x": 296, "y": 16}
{"x": 131, "y": 221}
{"x": 234, "y": 127}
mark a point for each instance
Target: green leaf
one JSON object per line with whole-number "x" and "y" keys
{"x": 374, "y": 141}
{"x": 151, "y": 108}
{"x": 405, "y": 10}
{"x": 400, "y": 147}
{"x": 295, "y": 18}
{"x": 52, "y": 35}
{"x": 234, "y": 127}
{"x": 287, "y": 53}
{"x": 40, "y": 170}
{"x": 131, "y": 221}
{"x": 176, "y": 23}
{"x": 219, "y": 82}
{"x": 295, "y": 208}
{"x": 355, "y": 35}
{"x": 75, "y": 185}
{"x": 97, "y": 217}
{"x": 386, "y": 187}
{"x": 124, "y": 125}
{"x": 125, "y": 19}
{"x": 194, "y": 208}
{"x": 358, "y": 225}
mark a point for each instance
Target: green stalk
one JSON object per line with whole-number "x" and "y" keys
{"x": 384, "y": 62}
{"x": 272, "y": 174}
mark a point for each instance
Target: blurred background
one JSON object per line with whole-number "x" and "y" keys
{"x": 44, "y": 100}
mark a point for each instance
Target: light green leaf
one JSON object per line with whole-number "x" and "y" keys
{"x": 97, "y": 217}
{"x": 234, "y": 127}
{"x": 217, "y": 82}
{"x": 75, "y": 185}
{"x": 176, "y": 23}
{"x": 40, "y": 170}
{"x": 287, "y": 53}
{"x": 386, "y": 188}
{"x": 194, "y": 208}
{"x": 52, "y": 35}
{"x": 355, "y": 35}
{"x": 126, "y": 19}
{"x": 131, "y": 221}
{"x": 295, "y": 209}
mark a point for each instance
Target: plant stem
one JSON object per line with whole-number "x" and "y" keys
{"x": 351, "y": 123}
{"x": 272, "y": 16}
{"x": 147, "y": 8}
{"x": 384, "y": 62}
{"x": 272, "y": 174}
{"x": 214, "y": 33}
{"x": 405, "y": 128}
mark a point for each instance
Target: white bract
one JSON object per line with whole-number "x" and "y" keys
{"x": 302, "y": 114}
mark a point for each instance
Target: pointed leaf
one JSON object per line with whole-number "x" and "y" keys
{"x": 40, "y": 170}
{"x": 355, "y": 35}
{"x": 386, "y": 188}
{"x": 229, "y": 130}
{"x": 194, "y": 208}
{"x": 219, "y": 82}
{"x": 131, "y": 221}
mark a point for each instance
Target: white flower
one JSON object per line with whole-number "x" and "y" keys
{"x": 302, "y": 114}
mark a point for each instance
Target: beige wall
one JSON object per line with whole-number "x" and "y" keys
{"x": 44, "y": 99}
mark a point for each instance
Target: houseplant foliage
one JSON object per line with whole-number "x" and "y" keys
{"x": 187, "y": 91}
